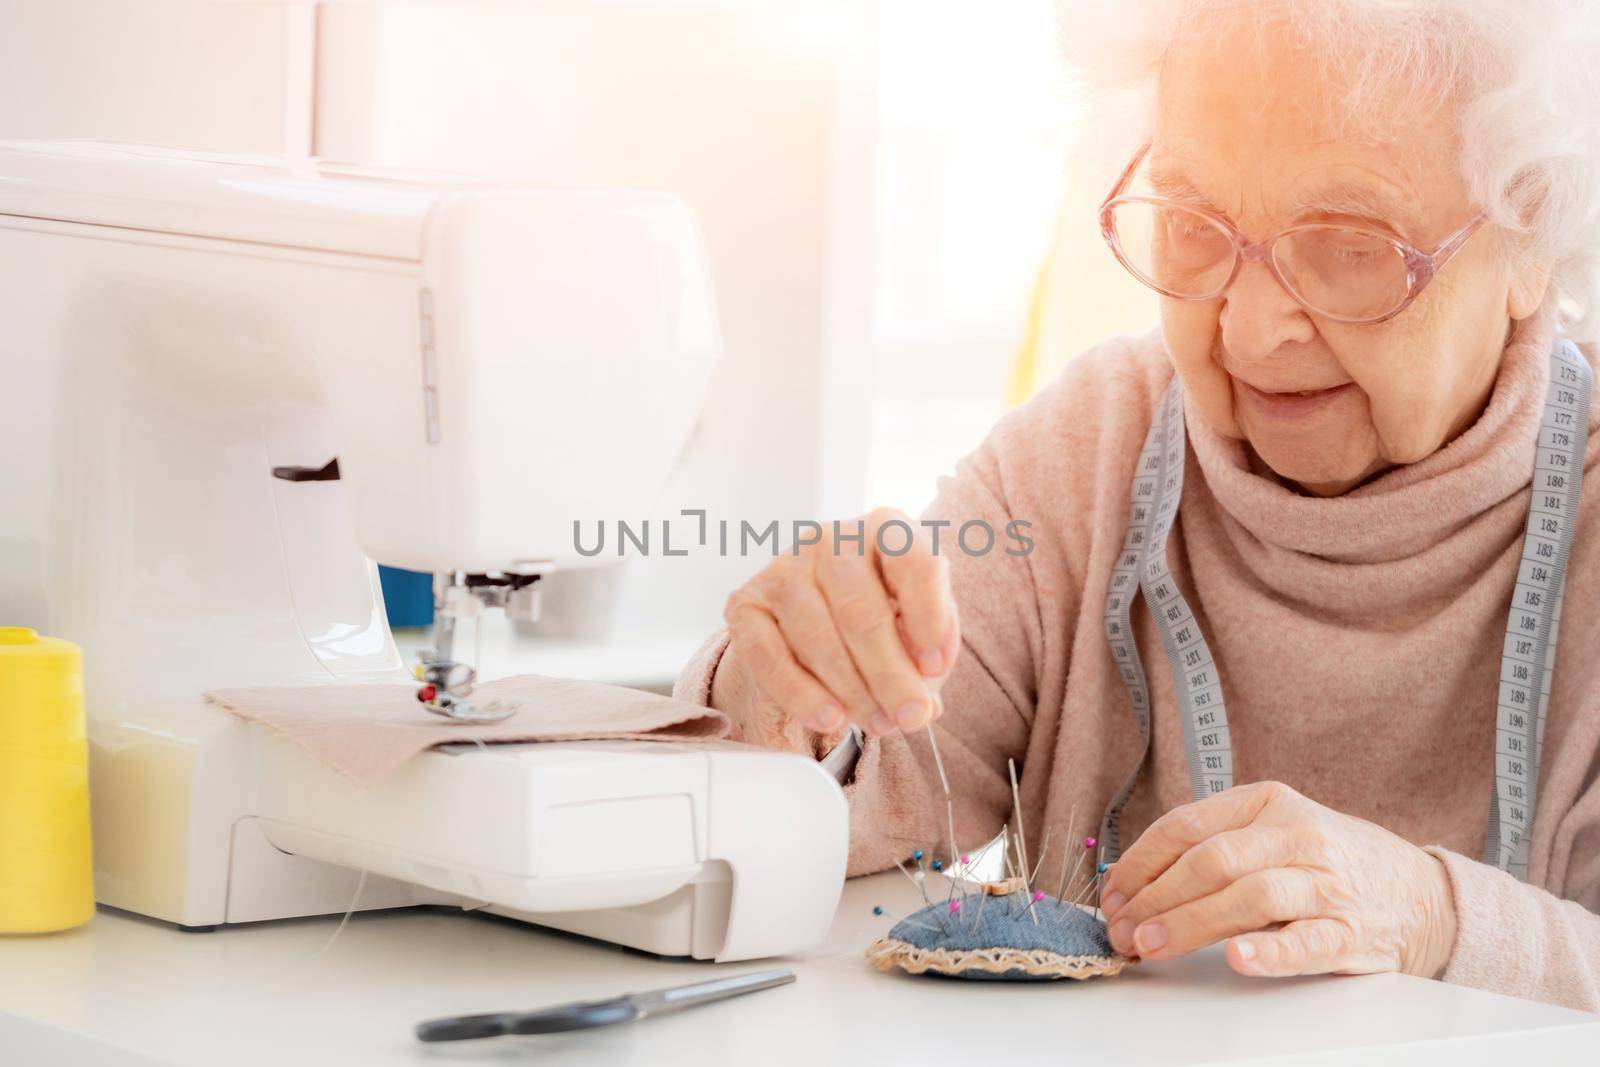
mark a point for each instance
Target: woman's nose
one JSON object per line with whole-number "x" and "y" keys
{"x": 1259, "y": 317}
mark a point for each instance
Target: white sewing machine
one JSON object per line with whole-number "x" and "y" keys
{"x": 186, "y": 344}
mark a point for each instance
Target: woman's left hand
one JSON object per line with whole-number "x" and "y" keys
{"x": 1297, "y": 888}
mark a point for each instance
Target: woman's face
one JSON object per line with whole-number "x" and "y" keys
{"x": 1247, "y": 130}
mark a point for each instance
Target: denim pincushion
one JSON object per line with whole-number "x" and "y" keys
{"x": 1000, "y": 936}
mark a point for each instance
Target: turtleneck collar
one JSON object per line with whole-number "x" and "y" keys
{"x": 1403, "y": 511}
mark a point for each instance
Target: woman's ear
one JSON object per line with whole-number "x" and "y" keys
{"x": 1530, "y": 269}
{"x": 1529, "y": 283}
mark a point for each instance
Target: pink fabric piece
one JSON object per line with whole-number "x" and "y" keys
{"x": 1358, "y": 640}
{"x": 367, "y": 731}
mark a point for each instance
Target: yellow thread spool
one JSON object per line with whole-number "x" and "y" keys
{"x": 46, "y": 874}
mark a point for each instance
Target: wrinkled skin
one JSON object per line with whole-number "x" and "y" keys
{"x": 1246, "y": 128}
{"x": 1354, "y": 898}
{"x": 842, "y": 633}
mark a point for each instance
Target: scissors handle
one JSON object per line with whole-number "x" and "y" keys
{"x": 581, "y": 1016}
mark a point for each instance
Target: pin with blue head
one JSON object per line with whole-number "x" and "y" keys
{"x": 917, "y": 875}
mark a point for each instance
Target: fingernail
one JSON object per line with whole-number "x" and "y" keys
{"x": 912, "y": 716}
{"x": 830, "y": 716}
{"x": 1112, "y": 902}
{"x": 1247, "y": 951}
{"x": 880, "y": 724}
{"x": 1150, "y": 937}
{"x": 930, "y": 661}
{"x": 1121, "y": 934}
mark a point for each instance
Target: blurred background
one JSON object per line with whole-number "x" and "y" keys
{"x": 899, "y": 198}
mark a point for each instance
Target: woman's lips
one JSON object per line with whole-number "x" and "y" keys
{"x": 1292, "y": 405}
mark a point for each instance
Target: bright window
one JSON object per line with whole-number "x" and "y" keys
{"x": 967, "y": 161}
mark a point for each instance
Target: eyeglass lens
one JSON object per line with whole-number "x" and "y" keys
{"x": 1332, "y": 269}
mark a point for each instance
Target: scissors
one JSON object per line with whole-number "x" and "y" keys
{"x": 587, "y": 1014}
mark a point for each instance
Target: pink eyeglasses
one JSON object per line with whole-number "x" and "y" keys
{"x": 1340, "y": 271}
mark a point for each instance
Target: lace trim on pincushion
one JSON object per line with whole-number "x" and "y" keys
{"x": 889, "y": 952}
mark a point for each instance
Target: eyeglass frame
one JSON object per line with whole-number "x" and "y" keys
{"x": 1421, "y": 267}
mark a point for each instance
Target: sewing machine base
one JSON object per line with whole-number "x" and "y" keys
{"x": 711, "y": 851}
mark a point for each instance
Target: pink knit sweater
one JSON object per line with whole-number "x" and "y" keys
{"x": 1358, "y": 640}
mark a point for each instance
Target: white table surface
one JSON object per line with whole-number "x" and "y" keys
{"x": 128, "y": 991}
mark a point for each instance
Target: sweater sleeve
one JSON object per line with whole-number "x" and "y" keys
{"x": 694, "y": 681}
{"x": 896, "y": 801}
{"x": 1519, "y": 939}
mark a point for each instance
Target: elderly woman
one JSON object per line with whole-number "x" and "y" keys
{"x": 1284, "y": 607}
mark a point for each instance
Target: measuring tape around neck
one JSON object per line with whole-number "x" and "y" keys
{"x": 1528, "y": 659}
{"x": 1527, "y": 664}
{"x": 1142, "y": 567}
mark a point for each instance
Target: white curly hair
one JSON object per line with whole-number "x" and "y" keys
{"x": 1523, "y": 74}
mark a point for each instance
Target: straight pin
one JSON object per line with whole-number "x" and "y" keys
{"x": 1087, "y": 893}
{"x": 979, "y": 909}
{"x": 1098, "y": 881}
{"x": 920, "y": 925}
{"x": 1044, "y": 850}
{"x": 1075, "y": 867}
{"x": 1008, "y": 865}
{"x": 1022, "y": 841}
{"x": 1022, "y": 834}
{"x": 1066, "y": 854}
{"x": 915, "y": 881}
{"x": 949, "y": 805}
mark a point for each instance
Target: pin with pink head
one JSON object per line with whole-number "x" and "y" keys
{"x": 1089, "y": 842}
{"x": 1038, "y": 895}
{"x": 955, "y": 906}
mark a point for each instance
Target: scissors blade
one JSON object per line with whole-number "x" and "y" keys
{"x": 687, "y": 996}
{"x": 584, "y": 1015}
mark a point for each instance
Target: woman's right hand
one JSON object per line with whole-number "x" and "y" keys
{"x": 843, "y": 631}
